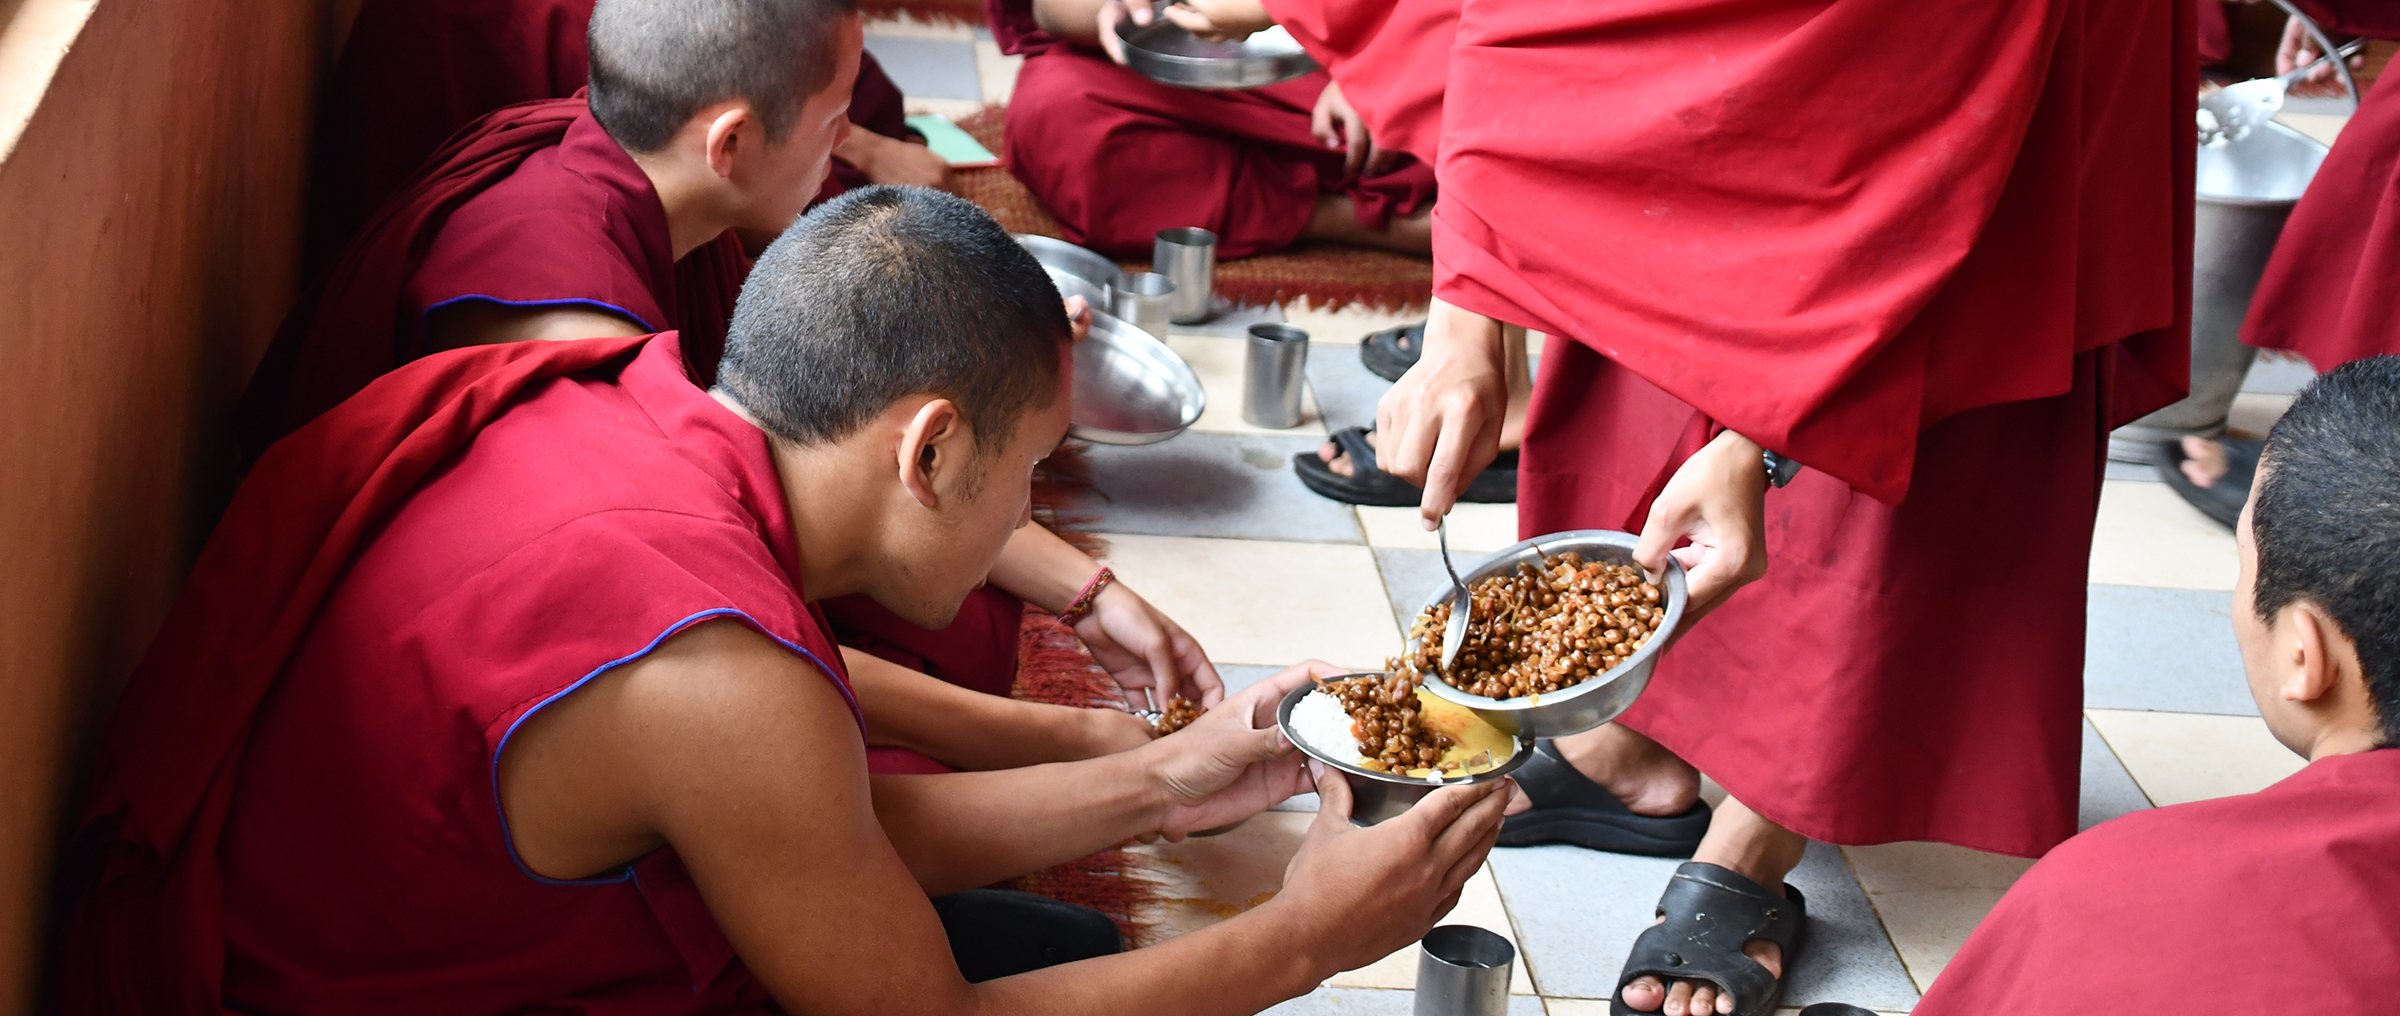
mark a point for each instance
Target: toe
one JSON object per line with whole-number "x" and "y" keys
{"x": 1643, "y": 994}
{"x": 1704, "y": 1000}
{"x": 1679, "y": 999}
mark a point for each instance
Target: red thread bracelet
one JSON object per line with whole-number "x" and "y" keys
{"x": 1081, "y": 605}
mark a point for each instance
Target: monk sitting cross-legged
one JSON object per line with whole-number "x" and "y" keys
{"x": 707, "y": 120}
{"x": 1118, "y": 157}
{"x": 501, "y": 688}
{"x": 2229, "y": 905}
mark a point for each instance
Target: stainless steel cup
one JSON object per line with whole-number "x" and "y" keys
{"x": 1142, "y": 299}
{"x": 1187, "y": 256}
{"x": 1463, "y": 970}
{"x": 1273, "y": 374}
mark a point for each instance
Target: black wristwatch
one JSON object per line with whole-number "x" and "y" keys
{"x": 1780, "y": 470}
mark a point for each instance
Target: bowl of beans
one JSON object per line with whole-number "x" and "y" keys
{"x": 1565, "y": 632}
{"x": 1392, "y": 743}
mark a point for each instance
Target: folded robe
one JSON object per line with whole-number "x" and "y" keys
{"x": 2331, "y": 291}
{"x": 2240, "y": 904}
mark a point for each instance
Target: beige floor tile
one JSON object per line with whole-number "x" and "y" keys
{"x": 2179, "y": 757}
{"x": 2147, "y": 536}
{"x": 2255, "y": 413}
{"x": 1205, "y": 880}
{"x": 2322, "y": 126}
{"x": 1479, "y": 904}
{"x": 996, "y": 71}
{"x": 1348, "y": 325}
{"x": 1576, "y": 1006}
{"x": 1474, "y": 528}
{"x": 1218, "y": 362}
{"x": 901, "y": 25}
{"x": 1930, "y": 896}
{"x": 954, "y": 109}
{"x": 1265, "y": 602}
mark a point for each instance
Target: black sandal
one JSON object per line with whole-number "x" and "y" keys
{"x": 1569, "y": 808}
{"x": 1368, "y": 485}
{"x": 1710, "y": 913}
{"x": 1392, "y": 351}
{"x": 2223, "y": 499}
{"x": 997, "y": 933}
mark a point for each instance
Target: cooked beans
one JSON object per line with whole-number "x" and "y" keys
{"x": 1540, "y": 630}
{"x": 1383, "y": 714}
{"x": 1180, "y": 713}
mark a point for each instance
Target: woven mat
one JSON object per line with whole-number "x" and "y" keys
{"x": 951, "y": 12}
{"x": 1328, "y": 276}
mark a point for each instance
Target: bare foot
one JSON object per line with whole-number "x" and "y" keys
{"x": 1761, "y": 851}
{"x": 2203, "y": 461}
{"x": 1640, "y": 772}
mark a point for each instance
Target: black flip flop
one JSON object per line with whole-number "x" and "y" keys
{"x": 997, "y": 933}
{"x": 1368, "y": 485}
{"x": 1836, "y": 1009}
{"x": 1392, "y": 351}
{"x": 1710, "y": 912}
{"x": 1569, "y": 808}
{"x": 2223, "y": 499}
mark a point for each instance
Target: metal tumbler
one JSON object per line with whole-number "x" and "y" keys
{"x": 1463, "y": 970}
{"x": 1142, "y": 299}
{"x": 1273, "y": 375}
{"x": 1187, "y": 256}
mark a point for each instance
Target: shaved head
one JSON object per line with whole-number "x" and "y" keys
{"x": 658, "y": 63}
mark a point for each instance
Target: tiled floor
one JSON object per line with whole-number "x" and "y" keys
{"x": 1214, "y": 527}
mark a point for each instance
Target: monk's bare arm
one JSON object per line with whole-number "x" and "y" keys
{"x": 484, "y": 322}
{"x": 1076, "y": 20}
{"x": 972, "y": 730}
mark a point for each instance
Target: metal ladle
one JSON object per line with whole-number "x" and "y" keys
{"x": 1454, "y": 635}
{"x": 2237, "y": 109}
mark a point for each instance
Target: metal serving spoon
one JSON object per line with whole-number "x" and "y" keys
{"x": 1462, "y": 605}
{"x": 2239, "y": 108}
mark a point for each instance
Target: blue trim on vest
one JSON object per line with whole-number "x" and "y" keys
{"x": 509, "y": 840}
{"x": 571, "y": 301}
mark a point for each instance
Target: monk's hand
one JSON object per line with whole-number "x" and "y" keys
{"x": 1079, "y": 317}
{"x": 1717, "y": 500}
{"x": 1338, "y": 125}
{"x": 1116, "y": 12}
{"x": 1369, "y": 892}
{"x": 1152, "y": 657}
{"x": 1233, "y": 762}
{"x": 1440, "y": 425}
{"x": 2299, "y": 49}
{"x": 1220, "y": 20}
{"x": 893, "y": 161}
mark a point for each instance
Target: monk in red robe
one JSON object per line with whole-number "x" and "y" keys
{"x": 2329, "y": 292}
{"x": 1936, "y": 293}
{"x": 517, "y": 653}
{"x": 1116, "y": 157}
{"x": 413, "y": 72}
{"x": 2240, "y": 903}
{"x": 623, "y": 215}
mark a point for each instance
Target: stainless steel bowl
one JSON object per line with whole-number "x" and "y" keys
{"x": 1595, "y": 701}
{"x": 2271, "y": 165}
{"x": 1066, "y": 260}
{"x": 1130, "y": 389}
{"x": 1163, "y": 52}
{"x": 1377, "y": 796}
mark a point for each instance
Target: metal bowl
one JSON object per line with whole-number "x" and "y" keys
{"x": 1063, "y": 258}
{"x": 1595, "y": 701}
{"x": 2271, "y": 165}
{"x": 1377, "y": 796}
{"x": 1163, "y": 52}
{"x": 1130, "y": 389}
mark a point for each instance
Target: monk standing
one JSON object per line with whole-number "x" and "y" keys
{"x": 1116, "y": 157}
{"x": 624, "y": 214}
{"x": 516, "y": 654}
{"x": 2226, "y": 905}
{"x": 1936, "y": 293}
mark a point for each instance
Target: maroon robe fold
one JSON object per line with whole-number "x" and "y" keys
{"x": 2268, "y": 902}
{"x": 2331, "y": 291}
{"x": 394, "y": 589}
{"x": 1392, "y": 61}
{"x": 1117, "y": 157}
{"x": 413, "y": 72}
{"x": 1937, "y": 293}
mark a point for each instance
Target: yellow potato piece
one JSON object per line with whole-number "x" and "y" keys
{"x": 1469, "y": 734}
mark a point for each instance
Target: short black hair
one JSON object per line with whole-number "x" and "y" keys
{"x": 2326, "y": 517}
{"x": 658, "y": 63}
{"x": 887, "y": 292}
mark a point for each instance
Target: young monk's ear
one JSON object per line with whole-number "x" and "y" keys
{"x": 2312, "y": 665}
{"x": 725, "y": 139}
{"x": 932, "y": 446}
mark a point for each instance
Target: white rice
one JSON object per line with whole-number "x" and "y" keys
{"x": 1321, "y": 721}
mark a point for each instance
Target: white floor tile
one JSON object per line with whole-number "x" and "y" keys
{"x": 1265, "y": 602}
{"x": 1474, "y": 528}
{"x": 1930, "y": 896}
{"x": 2255, "y": 413}
{"x": 2147, "y": 536}
{"x": 1350, "y": 324}
{"x": 1478, "y": 904}
{"x": 2179, "y": 757}
{"x": 1204, "y": 880}
{"x": 1219, "y": 363}
{"x": 996, "y": 71}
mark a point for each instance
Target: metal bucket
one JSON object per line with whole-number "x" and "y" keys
{"x": 2246, "y": 191}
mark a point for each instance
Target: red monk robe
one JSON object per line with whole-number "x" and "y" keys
{"x": 2331, "y": 291}
{"x": 2264, "y": 902}
{"x": 362, "y": 632}
{"x": 1937, "y": 293}
{"x": 414, "y": 72}
{"x": 1117, "y": 157}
